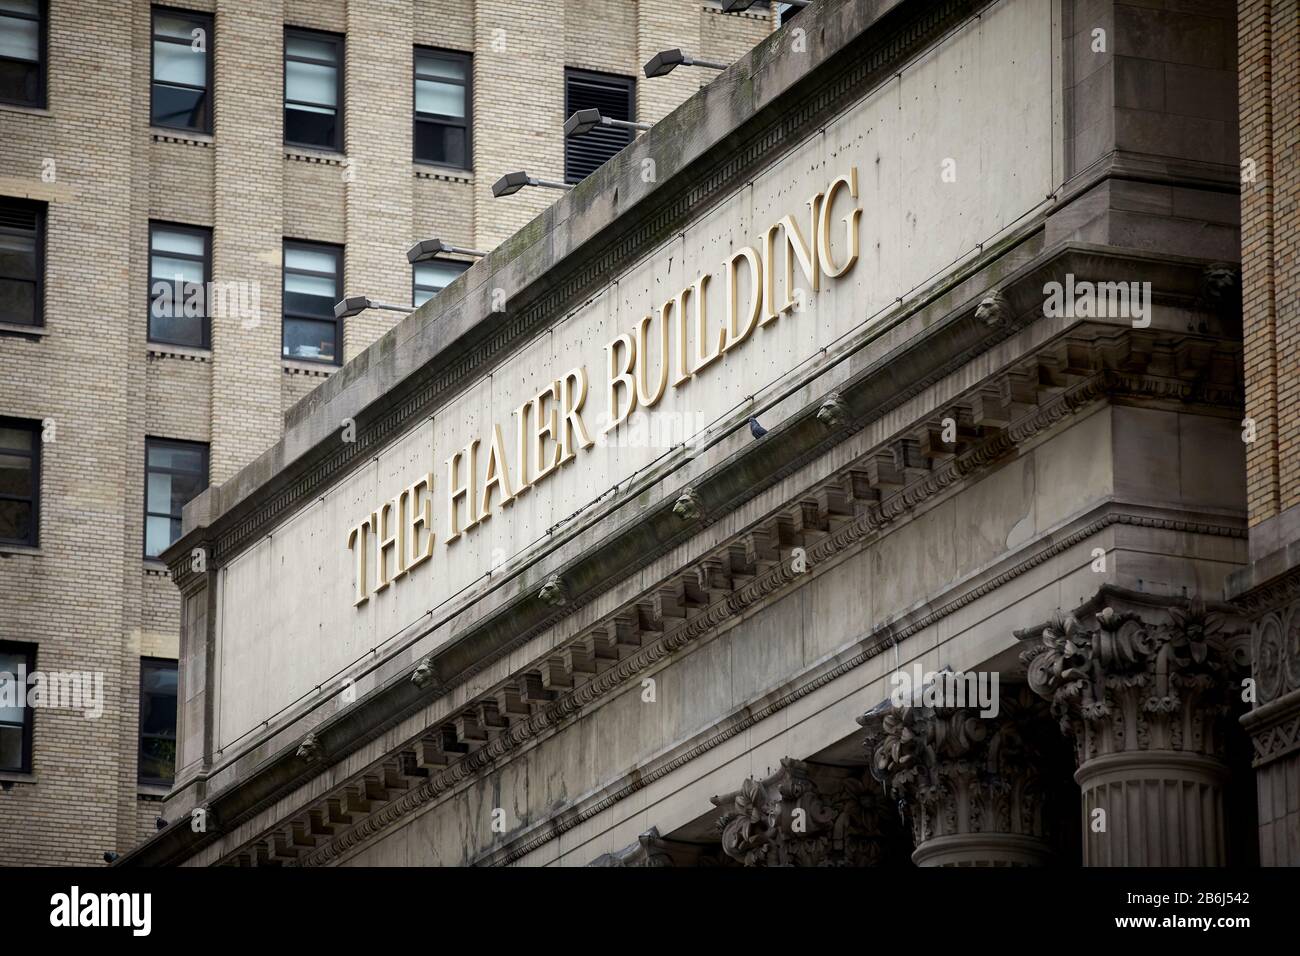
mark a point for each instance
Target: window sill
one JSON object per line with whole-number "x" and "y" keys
{"x": 449, "y": 174}
{"x": 14, "y": 550}
{"x": 30, "y": 331}
{"x": 156, "y": 568}
{"x": 13, "y": 776}
{"x": 184, "y": 137}
{"x": 305, "y": 154}
{"x": 151, "y": 791}
{"x": 320, "y": 369}
{"x": 29, "y": 110}
{"x": 163, "y": 350}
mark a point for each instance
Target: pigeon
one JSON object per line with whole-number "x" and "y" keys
{"x": 755, "y": 429}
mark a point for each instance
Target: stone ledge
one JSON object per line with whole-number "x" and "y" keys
{"x": 182, "y": 138}
{"x": 160, "y": 350}
{"x": 26, "y": 331}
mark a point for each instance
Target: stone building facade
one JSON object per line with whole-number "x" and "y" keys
{"x": 942, "y": 299}
{"x": 84, "y": 597}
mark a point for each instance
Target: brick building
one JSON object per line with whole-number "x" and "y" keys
{"x": 275, "y": 155}
{"x": 1268, "y": 589}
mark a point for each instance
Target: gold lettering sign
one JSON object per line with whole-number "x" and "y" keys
{"x": 549, "y": 430}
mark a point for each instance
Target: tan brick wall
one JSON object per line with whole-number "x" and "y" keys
{"x": 1269, "y": 89}
{"x": 88, "y": 599}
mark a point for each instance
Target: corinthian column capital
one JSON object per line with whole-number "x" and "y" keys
{"x": 969, "y": 783}
{"x": 803, "y": 815}
{"x": 1145, "y": 691}
{"x": 1122, "y": 679}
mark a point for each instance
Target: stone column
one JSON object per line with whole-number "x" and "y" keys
{"x": 804, "y": 815}
{"x": 970, "y": 784}
{"x": 1146, "y": 703}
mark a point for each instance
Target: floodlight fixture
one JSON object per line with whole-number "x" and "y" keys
{"x": 664, "y": 62}
{"x": 584, "y": 121}
{"x": 356, "y": 304}
{"x": 427, "y": 249}
{"x": 511, "y": 183}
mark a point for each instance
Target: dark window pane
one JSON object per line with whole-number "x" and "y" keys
{"x": 175, "y": 473}
{"x": 16, "y": 439}
{"x": 158, "y": 692}
{"x": 20, "y": 82}
{"x": 180, "y": 108}
{"x": 309, "y": 340}
{"x": 11, "y": 748}
{"x": 157, "y": 759}
{"x": 438, "y": 143}
{"x": 15, "y": 521}
{"x": 18, "y": 255}
{"x": 15, "y": 475}
{"x": 178, "y": 457}
{"x": 310, "y": 128}
{"x": 177, "y": 330}
{"x": 17, "y": 302}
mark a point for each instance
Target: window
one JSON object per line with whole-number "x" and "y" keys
{"x": 612, "y": 95}
{"x": 432, "y": 277}
{"x": 157, "y": 764}
{"x": 313, "y": 89}
{"x": 20, "y": 481}
{"x": 313, "y": 283}
{"x": 17, "y": 661}
{"x": 175, "y": 471}
{"x": 182, "y": 70}
{"x": 179, "y": 263}
{"x": 442, "y": 108}
{"x": 22, "y": 262}
{"x": 22, "y": 52}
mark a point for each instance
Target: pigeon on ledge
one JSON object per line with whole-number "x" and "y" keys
{"x": 755, "y": 429}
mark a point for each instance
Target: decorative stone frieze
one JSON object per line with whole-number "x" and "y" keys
{"x": 804, "y": 816}
{"x": 1145, "y": 693}
{"x": 971, "y": 785}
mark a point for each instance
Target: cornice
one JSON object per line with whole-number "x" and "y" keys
{"x": 841, "y": 542}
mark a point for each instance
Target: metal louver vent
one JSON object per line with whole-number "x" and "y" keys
{"x": 17, "y": 214}
{"x": 613, "y": 96}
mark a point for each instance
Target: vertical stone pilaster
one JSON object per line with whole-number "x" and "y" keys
{"x": 971, "y": 785}
{"x": 1146, "y": 703}
{"x": 1274, "y": 721}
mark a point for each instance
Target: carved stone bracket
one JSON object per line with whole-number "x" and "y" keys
{"x": 804, "y": 816}
{"x": 970, "y": 783}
